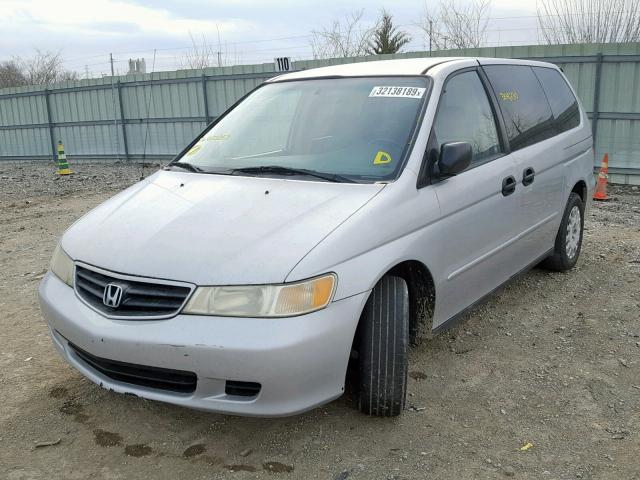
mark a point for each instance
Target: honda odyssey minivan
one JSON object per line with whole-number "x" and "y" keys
{"x": 328, "y": 217}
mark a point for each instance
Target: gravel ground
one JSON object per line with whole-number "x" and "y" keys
{"x": 552, "y": 360}
{"x": 24, "y": 180}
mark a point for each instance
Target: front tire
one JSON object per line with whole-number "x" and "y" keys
{"x": 384, "y": 349}
{"x": 569, "y": 238}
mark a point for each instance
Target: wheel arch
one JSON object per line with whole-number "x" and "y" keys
{"x": 581, "y": 189}
{"x": 422, "y": 295}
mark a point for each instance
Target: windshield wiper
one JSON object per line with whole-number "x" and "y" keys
{"x": 186, "y": 166}
{"x": 280, "y": 170}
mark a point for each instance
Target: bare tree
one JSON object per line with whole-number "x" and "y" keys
{"x": 345, "y": 37}
{"x": 11, "y": 75}
{"x": 589, "y": 21}
{"x": 452, "y": 24}
{"x": 200, "y": 55}
{"x": 203, "y": 54}
{"x": 386, "y": 38}
{"x": 43, "y": 68}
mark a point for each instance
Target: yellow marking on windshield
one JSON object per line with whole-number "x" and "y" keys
{"x": 223, "y": 136}
{"x": 382, "y": 158}
{"x": 194, "y": 149}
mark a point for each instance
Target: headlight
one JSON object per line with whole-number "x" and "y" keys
{"x": 62, "y": 266}
{"x": 284, "y": 300}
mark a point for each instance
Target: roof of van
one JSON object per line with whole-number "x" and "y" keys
{"x": 405, "y": 66}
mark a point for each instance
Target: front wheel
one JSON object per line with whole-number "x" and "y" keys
{"x": 384, "y": 349}
{"x": 569, "y": 238}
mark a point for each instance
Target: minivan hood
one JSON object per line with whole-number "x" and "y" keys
{"x": 213, "y": 229}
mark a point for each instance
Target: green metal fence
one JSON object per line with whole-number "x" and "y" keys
{"x": 155, "y": 115}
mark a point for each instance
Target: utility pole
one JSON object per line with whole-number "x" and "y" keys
{"x": 115, "y": 116}
{"x": 219, "y": 47}
{"x": 430, "y": 35}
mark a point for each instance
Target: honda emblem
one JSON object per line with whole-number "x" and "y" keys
{"x": 112, "y": 295}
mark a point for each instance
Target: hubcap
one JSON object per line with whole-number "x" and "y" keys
{"x": 573, "y": 232}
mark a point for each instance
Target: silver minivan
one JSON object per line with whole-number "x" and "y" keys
{"x": 328, "y": 217}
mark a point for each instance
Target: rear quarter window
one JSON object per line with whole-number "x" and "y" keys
{"x": 564, "y": 105}
{"x": 527, "y": 115}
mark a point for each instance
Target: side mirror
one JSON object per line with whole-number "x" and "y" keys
{"x": 454, "y": 158}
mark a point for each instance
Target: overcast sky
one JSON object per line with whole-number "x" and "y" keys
{"x": 251, "y": 31}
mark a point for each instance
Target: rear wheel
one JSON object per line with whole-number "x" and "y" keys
{"x": 569, "y": 238}
{"x": 383, "y": 339}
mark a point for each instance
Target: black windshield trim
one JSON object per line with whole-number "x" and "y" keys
{"x": 186, "y": 166}
{"x": 282, "y": 170}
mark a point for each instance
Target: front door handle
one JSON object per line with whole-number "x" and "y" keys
{"x": 528, "y": 175}
{"x": 508, "y": 185}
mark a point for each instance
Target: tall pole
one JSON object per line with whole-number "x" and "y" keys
{"x": 430, "y": 35}
{"x": 115, "y": 117}
{"x": 219, "y": 47}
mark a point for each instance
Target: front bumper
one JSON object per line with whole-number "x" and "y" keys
{"x": 300, "y": 362}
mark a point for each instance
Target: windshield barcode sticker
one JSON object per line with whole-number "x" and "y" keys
{"x": 405, "y": 92}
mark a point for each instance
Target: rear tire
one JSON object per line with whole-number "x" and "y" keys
{"x": 384, "y": 348}
{"x": 569, "y": 238}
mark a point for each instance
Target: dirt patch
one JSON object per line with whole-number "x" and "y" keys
{"x": 240, "y": 468}
{"x": 194, "y": 450}
{"x": 138, "y": 450}
{"x": 71, "y": 407}
{"x": 58, "y": 392}
{"x": 418, "y": 375}
{"x": 541, "y": 365}
{"x": 277, "y": 467}
{"x": 106, "y": 439}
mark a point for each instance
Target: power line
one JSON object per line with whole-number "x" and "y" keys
{"x": 256, "y": 53}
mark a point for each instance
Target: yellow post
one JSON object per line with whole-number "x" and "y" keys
{"x": 63, "y": 165}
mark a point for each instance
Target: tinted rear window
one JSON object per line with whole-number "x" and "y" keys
{"x": 563, "y": 103}
{"x": 527, "y": 115}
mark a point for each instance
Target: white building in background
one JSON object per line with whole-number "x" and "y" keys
{"x": 137, "y": 65}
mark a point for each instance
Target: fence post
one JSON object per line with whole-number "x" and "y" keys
{"x": 50, "y": 125}
{"x": 205, "y": 98}
{"x": 596, "y": 99}
{"x": 122, "y": 123}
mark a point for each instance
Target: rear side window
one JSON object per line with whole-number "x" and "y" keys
{"x": 564, "y": 105}
{"x": 465, "y": 115}
{"x": 525, "y": 109}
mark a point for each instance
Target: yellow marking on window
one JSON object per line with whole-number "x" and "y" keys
{"x": 194, "y": 149}
{"x": 223, "y": 136}
{"x": 382, "y": 158}
{"x": 509, "y": 96}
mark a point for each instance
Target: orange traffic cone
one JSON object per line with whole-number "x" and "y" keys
{"x": 601, "y": 186}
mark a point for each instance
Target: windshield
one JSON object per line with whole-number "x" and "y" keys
{"x": 352, "y": 128}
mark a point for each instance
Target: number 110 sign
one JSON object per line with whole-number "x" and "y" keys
{"x": 283, "y": 64}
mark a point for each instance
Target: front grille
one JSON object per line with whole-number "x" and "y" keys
{"x": 154, "y": 377}
{"x": 139, "y": 298}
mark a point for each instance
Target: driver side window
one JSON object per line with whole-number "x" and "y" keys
{"x": 465, "y": 115}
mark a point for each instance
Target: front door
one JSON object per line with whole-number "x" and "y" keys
{"x": 479, "y": 227}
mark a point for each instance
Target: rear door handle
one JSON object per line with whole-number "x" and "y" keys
{"x": 528, "y": 175}
{"x": 508, "y": 185}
